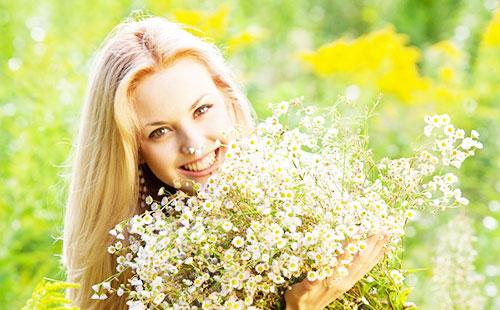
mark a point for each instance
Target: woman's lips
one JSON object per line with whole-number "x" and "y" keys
{"x": 219, "y": 153}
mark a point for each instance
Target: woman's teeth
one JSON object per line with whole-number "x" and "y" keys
{"x": 201, "y": 164}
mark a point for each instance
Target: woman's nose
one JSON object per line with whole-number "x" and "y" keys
{"x": 192, "y": 142}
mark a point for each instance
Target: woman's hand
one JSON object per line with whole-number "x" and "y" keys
{"x": 316, "y": 295}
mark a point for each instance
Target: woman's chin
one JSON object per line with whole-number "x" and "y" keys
{"x": 188, "y": 184}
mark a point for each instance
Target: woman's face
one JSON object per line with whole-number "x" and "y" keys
{"x": 179, "y": 108}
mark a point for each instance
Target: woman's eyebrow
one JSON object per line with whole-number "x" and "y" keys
{"x": 190, "y": 109}
{"x": 198, "y": 100}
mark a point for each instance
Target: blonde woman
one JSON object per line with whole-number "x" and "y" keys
{"x": 159, "y": 104}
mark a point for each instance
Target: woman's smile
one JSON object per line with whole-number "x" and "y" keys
{"x": 204, "y": 166}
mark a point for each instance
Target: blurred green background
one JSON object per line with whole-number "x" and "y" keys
{"x": 424, "y": 56}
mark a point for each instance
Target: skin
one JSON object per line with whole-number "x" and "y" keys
{"x": 164, "y": 98}
{"x": 307, "y": 295}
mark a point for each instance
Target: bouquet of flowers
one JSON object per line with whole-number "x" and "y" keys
{"x": 288, "y": 203}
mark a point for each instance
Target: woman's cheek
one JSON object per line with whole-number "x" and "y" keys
{"x": 224, "y": 122}
{"x": 164, "y": 157}
{"x": 154, "y": 156}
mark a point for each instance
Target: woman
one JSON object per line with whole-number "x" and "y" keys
{"x": 157, "y": 112}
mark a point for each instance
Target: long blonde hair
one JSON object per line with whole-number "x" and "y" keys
{"x": 104, "y": 179}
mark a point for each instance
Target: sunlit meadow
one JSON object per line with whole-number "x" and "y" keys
{"x": 423, "y": 57}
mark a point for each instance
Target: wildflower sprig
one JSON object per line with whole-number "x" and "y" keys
{"x": 288, "y": 203}
{"x": 49, "y": 294}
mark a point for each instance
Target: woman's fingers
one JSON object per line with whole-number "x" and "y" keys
{"x": 372, "y": 246}
{"x": 366, "y": 261}
{"x": 324, "y": 292}
{"x": 362, "y": 263}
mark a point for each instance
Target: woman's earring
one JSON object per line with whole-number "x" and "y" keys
{"x": 143, "y": 190}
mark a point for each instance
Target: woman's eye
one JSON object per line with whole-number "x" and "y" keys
{"x": 204, "y": 108}
{"x": 158, "y": 133}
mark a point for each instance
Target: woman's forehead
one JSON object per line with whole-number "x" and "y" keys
{"x": 174, "y": 89}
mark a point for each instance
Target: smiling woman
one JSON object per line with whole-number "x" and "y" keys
{"x": 158, "y": 105}
{"x": 159, "y": 110}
